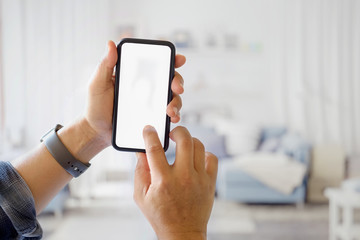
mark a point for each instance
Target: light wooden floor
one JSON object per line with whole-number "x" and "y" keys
{"x": 119, "y": 218}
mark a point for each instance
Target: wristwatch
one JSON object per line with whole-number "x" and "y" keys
{"x": 58, "y": 150}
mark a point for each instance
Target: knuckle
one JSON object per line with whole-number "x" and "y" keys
{"x": 154, "y": 148}
{"x": 139, "y": 194}
{"x": 91, "y": 86}
{"x": 164, "y": 184}
{"x": 178, "y": 100}
{"x": 179, "y": 77}
{"x": 186, "y": 181}
{"x": 186, "y": 142}
{"x": 203, "y": 181}
{"x": 136, "y": 197}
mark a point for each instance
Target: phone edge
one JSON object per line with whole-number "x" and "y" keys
{"x": 116, "y": 92}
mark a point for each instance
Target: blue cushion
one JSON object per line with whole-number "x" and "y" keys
{"x": 271, "y": 132}
{"x": 294, "y": 146}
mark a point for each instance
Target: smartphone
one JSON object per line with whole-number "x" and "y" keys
{"x": 143, "y": 76}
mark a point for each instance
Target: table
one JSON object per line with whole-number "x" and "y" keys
{"x": 342, "y": 205}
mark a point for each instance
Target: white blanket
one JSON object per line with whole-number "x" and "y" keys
{"x": 275, "y": 170}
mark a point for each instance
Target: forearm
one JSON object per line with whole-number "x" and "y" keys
{"x": 44, "y": 175}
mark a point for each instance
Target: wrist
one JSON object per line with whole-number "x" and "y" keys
{"x": 182, "y": 236}
{"x": 81, "y": 140}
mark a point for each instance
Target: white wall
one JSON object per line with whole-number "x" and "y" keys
{"x": 235, "y": 83}
{"x": 305, "y": 75}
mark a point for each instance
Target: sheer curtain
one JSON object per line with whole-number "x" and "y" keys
{"x": 321, "y": 74}
{"x": 50, "y": 49}
{"x": 2, "y": 110}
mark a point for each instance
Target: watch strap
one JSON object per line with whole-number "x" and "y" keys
{"x": 62, "y": 155}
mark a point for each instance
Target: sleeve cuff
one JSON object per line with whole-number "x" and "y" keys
{"x": 17, "y": 202}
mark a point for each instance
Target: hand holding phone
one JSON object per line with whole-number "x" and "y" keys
{"x": 144, "y": 72}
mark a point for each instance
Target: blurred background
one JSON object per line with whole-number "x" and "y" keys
{"x": 272, "y": 87}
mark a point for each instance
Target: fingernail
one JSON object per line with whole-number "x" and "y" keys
{"x": 176, "y": 110}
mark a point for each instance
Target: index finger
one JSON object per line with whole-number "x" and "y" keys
{"x": 155, "y": 153}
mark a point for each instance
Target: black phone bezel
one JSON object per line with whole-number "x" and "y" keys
{"x": 116, "y": 92}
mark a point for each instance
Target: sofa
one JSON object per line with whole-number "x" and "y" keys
{"x": 236, "y": 185}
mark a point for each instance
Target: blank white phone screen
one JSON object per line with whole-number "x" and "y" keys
{"x": 143, "y": 92}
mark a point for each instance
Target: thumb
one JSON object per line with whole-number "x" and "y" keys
{"x": 102, "y": 79}
{"x": 110, "y": 58}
